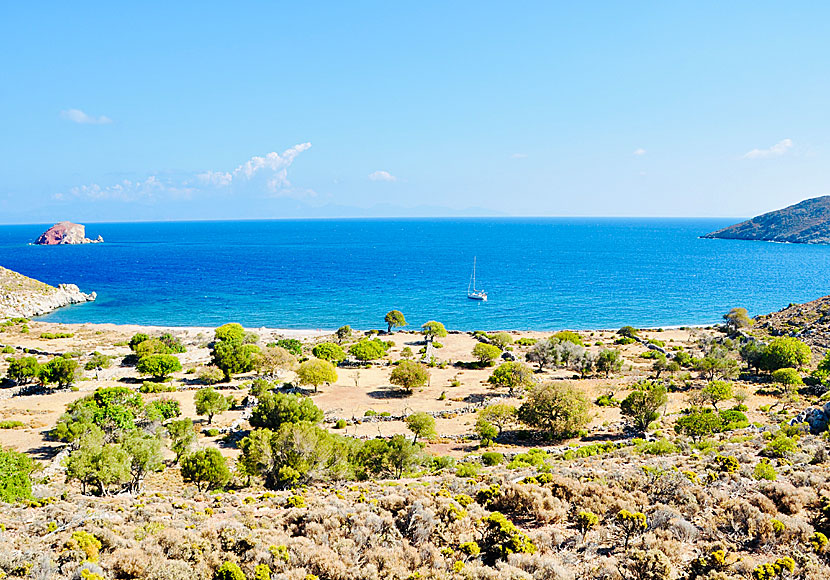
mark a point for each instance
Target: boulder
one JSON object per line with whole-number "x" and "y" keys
{"x": 817, "y": 418}
{"x": 66, "y": 233}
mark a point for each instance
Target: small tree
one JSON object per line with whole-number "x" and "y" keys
{"x": 585, "y": 522}
{"x": 409, "y": 375}
{"x": 642, "y": 405}
{"x": 609, "y": 361}
{"x": 486, "y": 353}
{"x": 559, "y": 409}
{"x": 698, "y": 423}
{"x": 512, "y": 376}
{"x": 501, "y": 415}
{"x": 660, "y": 364}
{"x": 737, "y": 319}
{"x": 367, "y": 350}
{"x": 630, "y": 524}
{"x": 316, "y": 372}
{"x": 23, "y": 370}
{"x": 343, "y": 333}
{"x": 433, "y": 330}
{"x": 500, "y": 538}
{"x": 210, "y": 402}
{"x": 544, "y": 354}
{"x": 785, "y": 352}
{"x": 234, "y": 357}
{"x": 15, "y": 476}
{"x": 207, "y": 468}
{"x": 230, "y": 332}
{"x": 716, "y": 392}
{"x": 159, "y": 366}
{"x": 270, "y": 361}
{"x": 394, "y": 319}
{"x": 144, "y": 452}
{"x": 61, "y": 371}
{"x": 328, "y": 351}
{"x": 501, "y": 339}
{"x": 276, "y": 409}
{"x": 422, "y": 425}
{"x": 788, "y": 377}
{"x": 182, "y": 435}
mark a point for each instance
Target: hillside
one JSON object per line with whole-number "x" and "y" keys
{"x": 807, "y": 222}
{"x": 21, "y": 296}
{"x": 809, "y": 321}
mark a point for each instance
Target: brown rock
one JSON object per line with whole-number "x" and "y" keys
{"x": 66, "y": 233}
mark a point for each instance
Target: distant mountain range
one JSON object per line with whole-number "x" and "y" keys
{"x": 807, "y": 222}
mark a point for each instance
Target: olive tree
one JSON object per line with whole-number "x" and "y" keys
{"x": 433, "y": 330}
{"x": 210, "y": 402}
{"x": 557, "y": 408}
{"x": 643, "y": 404}
{"x": 316, "y": 372}
{"x": 394, "y": 319}
{"x": 512, "y": 376}
{"x": 409, "y": 375}
{"x": 422, "y": 425}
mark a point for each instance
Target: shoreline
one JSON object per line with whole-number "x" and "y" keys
{"x": 321, "y": 332}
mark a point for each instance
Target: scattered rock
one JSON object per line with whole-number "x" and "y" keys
{"x": 817, "y": 418}
{"x": 66, "y": 233}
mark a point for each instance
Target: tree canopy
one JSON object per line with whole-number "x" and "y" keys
{"x": 409, "y": 375}
{"x": 394, "y": 319}
{"x": 316, "y": 372}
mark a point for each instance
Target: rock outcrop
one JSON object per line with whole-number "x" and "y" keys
{"x": 807, "y": 222}
{"x": 66, "y": 233}
{"x": 809, "y": 322}
{"x": 24, "y": 297}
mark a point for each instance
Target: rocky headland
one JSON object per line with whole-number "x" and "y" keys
{"x": 810, "y": 322}
{"x": 66, "y": 233}
{"x": 24, "y": 297}
{"x": 807, "y": 222}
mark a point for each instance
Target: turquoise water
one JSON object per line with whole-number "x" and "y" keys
{"x": 539, "y": 273}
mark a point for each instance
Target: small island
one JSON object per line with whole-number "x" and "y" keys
{"x": 66, "y": 233}
{"x": 807, "y": 222}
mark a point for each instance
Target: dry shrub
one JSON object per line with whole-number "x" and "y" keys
{"x": 547, "y": 566}
{"x": 763, "y": 503}
{"x": 320, "y": 560}
{"x": 745, "y": 523}
{"x": 129, "y": 563}
{"x": 173, "y": 570}
{"x": 788, "y": 498}
{"x": 531, "y": 501}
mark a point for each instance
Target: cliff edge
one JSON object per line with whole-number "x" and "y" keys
{"x": 807, "y": 222}
{"x": 66, "y": 233}
{"x": 24, "y": 297}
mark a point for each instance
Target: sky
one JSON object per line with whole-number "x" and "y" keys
{"x": 212, "y": 110}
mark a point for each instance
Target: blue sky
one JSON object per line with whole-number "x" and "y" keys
{"x": 112, "y": 112}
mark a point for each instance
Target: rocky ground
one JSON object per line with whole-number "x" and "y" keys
{"x": 704, "y": 516}
{"x": 21, "y": 296}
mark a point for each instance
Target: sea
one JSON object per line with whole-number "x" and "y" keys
{"x": 539, "y": 274}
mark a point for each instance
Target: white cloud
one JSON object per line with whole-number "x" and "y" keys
{"x": 259, "y": 176}
{"x": 640, "y": 151}
{"x": 382, "y": 176}
{"x": 776, "y": 150}
{"x": 78, "y": 116}
{"x": 519, "y": 156}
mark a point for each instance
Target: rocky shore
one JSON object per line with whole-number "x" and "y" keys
{"x": 21, "y": 296}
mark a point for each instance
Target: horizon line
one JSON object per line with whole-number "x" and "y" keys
{"x": 381, "y": 218}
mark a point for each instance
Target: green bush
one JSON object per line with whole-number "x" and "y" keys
{"x": 15, "y": 476}
{"x": 10, "y": 424}
{"x": 341, "y": 424}
{"x": 763, "y": 470}
{"x": 500, "y": 538}
{"x": 491, "y": 458}
{"x": 54, "y": 335}
{"x": 151, "y": 387}
{"x": 228, "y": 571}
{"x": 468, "y": 470}
{"x": 159, "y": 366}
{"x": 207, "y": 468}
{"x": 787, "y": 376}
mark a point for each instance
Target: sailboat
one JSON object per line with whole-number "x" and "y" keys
{"x": 472, "y": 293}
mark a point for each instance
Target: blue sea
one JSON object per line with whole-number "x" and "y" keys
{"x": 539, "y": 273}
